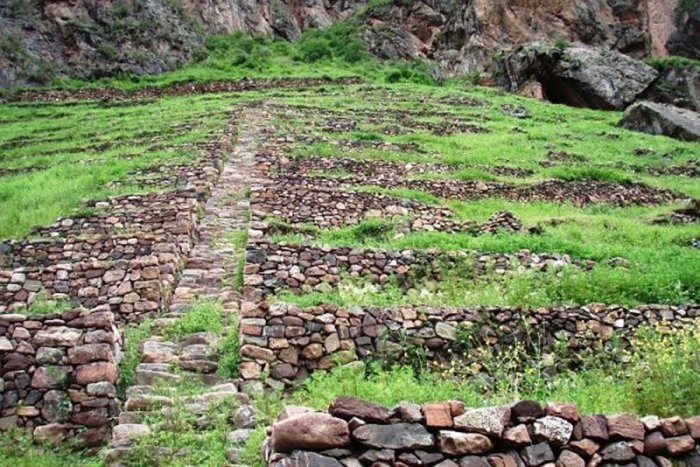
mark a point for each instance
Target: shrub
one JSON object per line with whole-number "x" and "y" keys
{"x": 315, "y": 49}
{"x": 665, "y": 369}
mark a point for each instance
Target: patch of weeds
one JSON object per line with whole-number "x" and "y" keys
{"x": 133, "y": 336}
{"x": 190, "y": 438}
{"x": 371, "y": 229}
{"x": 43, "y": 305}
{"x": 666, "y": 63}
{"x": 19, "y": 450}
{"x": 230, "y": 356}
{"x": 665, "y": 368}
{"x": 238, "y": 238}
{"x": 204, "y": 316}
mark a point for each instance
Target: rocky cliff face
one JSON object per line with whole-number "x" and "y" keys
{"x": 92, "y": 38}
{"x": 463, "y": 36}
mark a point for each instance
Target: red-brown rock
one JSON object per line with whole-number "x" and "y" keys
{"x": 454, "y": 443}
{"x": 438, "y": 415}
{"x": 562, "y": 410}
{"x": 626, "y": 427}
{"x": 349, "y": 407}
{"x": 673, "y": 426}
{"x": 680, "y": 445}
{"x": 95, "y": 373}
{"x": 570, "y": 459}
{"x": 310, "y": 431}
{"x": 594, "y": 426}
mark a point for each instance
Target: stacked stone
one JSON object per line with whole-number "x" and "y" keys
{"x": 501, "y": 221}
{"x": 90, "y": 260}
{"x": 580, "y": 193}
{"x": 272, "y": 267}
{"x": 181, "y": 89}
{"x": 58, "y": 374}
{"x": 354, "y": 433}
{"x": 288, "y": 343}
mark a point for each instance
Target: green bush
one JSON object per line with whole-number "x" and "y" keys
{"x": 315, "y": 49}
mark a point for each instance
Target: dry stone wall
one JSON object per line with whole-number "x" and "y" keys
{"x": 127, "y": 255}
{"x": 271, "y": 267}
{"x": 353, "y": 433}
{"x": 58, "y": 374}
{"x": 287, "y": 342}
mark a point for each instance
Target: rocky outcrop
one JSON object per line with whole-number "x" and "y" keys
{"x": 660, "y": 119}
{"x": 578, "y": 75}
{"x": 93, "y": 38}
{"x": 526, "y": 434}
{"x": 463, "y": 36}
{"x": 679, "y": 86}
{"x": 683, "y": 40}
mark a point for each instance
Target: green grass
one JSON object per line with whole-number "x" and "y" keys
{"x": 78, "y": 161}
{"x": 133, "y": 336}
{"x": 187, "y": 442}
{"x": 18, "y": 450}
{"x": 204, "y": 316}
{"x": 230, "y": 355}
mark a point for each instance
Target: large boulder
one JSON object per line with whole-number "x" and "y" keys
{"x": 677, "y": 85}
{"x": 662, "y": 119}
{"x": 578, "y": 75}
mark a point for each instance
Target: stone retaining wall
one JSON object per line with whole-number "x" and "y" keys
{"x": 271, "y": 267}
{"x": 287, "y": 342}
{"x": 354, "y": 433}
{"x": 127, "y": 255}
{"x": 58, "y": 374}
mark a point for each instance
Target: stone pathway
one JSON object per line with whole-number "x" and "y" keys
{"x": 209, "y": 273}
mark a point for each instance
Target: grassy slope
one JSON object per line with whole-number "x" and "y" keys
{"x": 663, "y": 266}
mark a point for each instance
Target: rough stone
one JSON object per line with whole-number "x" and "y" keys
{"x": 400, "y": 436}
{"x": 553, "y": 429}
{"x": 489, "y": 421}
{"x": 662, "y": 119}
{"x": 350, "y": 407}
{"x": 454, "y": 443}
{"x": 315, "y": 431}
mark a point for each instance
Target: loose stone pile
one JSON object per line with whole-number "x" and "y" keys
{"x": 353, "y": 433}
{"x": 287, "y": 342}
{"x": 58, "y": 374}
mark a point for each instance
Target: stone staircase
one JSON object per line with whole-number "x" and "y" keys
{"x": 167, "y": 365}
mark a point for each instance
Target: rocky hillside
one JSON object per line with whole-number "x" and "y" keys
{"x": 93, "y": 38}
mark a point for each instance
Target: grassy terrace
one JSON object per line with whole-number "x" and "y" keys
{"x": 661, "y": 261}
{"x": 56, "y": 155}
